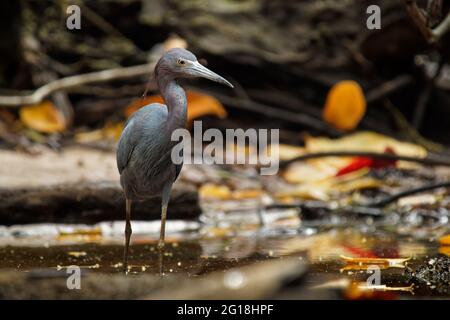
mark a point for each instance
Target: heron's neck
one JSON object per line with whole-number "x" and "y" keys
{"x": 175, "y": 99}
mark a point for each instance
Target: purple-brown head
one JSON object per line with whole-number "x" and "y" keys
{"x": 181, "y": 63}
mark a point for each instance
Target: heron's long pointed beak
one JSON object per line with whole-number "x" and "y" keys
{"x": 202, "y": 71}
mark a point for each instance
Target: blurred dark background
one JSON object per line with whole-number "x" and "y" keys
{"x": 284, "y": 55}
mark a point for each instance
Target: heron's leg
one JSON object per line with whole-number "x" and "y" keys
{"x": 164, "y": 203}
{"x": 127, "y": 232}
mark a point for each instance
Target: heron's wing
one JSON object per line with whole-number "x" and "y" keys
{"x": 146, "y": 121}
{"x": 163, "y": 160}
{"x": 127, "y": 143}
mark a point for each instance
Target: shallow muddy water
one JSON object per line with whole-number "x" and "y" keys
{"x": 193, "y": 255}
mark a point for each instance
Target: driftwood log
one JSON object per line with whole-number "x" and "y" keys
{"x": 77, "y": 185}
{"x": 88, "y": 203}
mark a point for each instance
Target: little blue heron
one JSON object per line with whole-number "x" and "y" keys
{"x": 144, "y": 150}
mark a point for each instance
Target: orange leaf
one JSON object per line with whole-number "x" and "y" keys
{"x": 445, "y": 240}
{"x": 199, "y": 105}
{"x": 345, "y": 105}
{"x": 43, "y": 117}
{"x": 445, "y": 250}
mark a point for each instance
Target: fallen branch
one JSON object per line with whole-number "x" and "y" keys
{"x": 366, "y": 209}
{"x": 402, "y": 194}
{"x": 76, "y": 81}
{"x": 88, "y": 202}
{"x": 431, "y": 161}
{"x": 276, "y": 113}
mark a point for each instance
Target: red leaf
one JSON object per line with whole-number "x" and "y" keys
{"x": 359, "y": 163}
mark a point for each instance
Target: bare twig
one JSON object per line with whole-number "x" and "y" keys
{"x": 104, "y": 25}
{"x": 431, "y": 35}
{"x": 424, "y": 97}
{"x": 434, "y": 12}
{"x": 419, "y": 19}
{"x": 276, "y": 113}
{"x": 405, "y": 126}
{"x": 442, "y": 28}
{"x": 392, "y": 198}
{"x": 389, "y": 87}
{"x": 76, "y": 81}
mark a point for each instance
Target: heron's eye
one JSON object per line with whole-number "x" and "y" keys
{"x": 181, "y": 62}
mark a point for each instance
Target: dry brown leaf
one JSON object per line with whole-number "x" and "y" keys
{"x": 391, "y": 262}
{"x": 82, "y": 231}
{"x": 199, "y": 104}
{"x": 43, "y": 117}
{"x": 345, "y": 105}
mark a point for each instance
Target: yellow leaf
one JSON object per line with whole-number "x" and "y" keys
{"x": 111, "y": 131}
{"x": 212, "y": 191}
{"x": 199, "y": 104}
{"x": 345, "y": 105}
{"x": 43, "y": 117}
{"x": 247, "y": 194}
{"x": 364, "y": 141}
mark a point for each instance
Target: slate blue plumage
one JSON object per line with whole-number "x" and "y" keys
{"x": 144, "y": 149}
